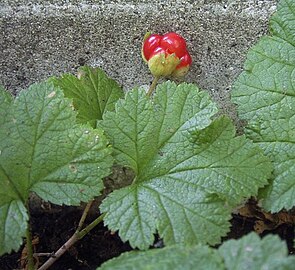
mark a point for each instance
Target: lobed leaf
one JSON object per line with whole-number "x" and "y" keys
{"x": 93, "y": 93}
{"x": 189, "y": 170}
{"x": 5, "y": 100}
{"x": 13, "y": 221}
{"x": 265, "y": 94}
{"x": 249, "y": 252}
{"x": 175, "y": 257}
{"x": 43, "y": 150}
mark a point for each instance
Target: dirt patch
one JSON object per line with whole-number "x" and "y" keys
{"x": 53, "y": 228}
{"x": 54, "y": 225}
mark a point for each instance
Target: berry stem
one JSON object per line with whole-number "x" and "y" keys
{"x": 153, "y": 86}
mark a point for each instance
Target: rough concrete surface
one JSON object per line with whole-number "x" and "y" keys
{"x": 43, "y": 38}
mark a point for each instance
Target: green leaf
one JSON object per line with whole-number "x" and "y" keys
{"x": 175, "y": 257}
{"x": 250, "y": 252}
{"x": 43, "y": 150}
{"x": 93, "y": 93}
{"x": 5, "y": 100}
{"x": 282, "y": 22}
{"x": 265, "y": 94}
{"x": 13, "y": 224}
{"x": 189, "y": 171}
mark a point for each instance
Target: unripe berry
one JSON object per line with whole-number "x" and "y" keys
{"x": 162, "y": 65}
{"x": 166, "y": 55}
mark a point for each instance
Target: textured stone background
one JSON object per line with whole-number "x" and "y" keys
{"x": 50, "y": 37}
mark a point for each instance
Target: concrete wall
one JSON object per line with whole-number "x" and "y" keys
{"x": 50, "y": 37}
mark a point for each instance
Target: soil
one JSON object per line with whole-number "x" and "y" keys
{"x": 54, "y": 225}
{"x": 53, "y": 228}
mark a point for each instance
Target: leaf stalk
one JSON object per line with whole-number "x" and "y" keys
{"x": 29, "y": 247}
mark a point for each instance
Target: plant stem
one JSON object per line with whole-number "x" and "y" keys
{"x": 60, "y": 252}
{"x": 29, "y": 246}
{"x": 84, "y": 215}
{"x": 88, "y": 228}
{"x": 153, "y": 86}
{"x": 74, "y": 238}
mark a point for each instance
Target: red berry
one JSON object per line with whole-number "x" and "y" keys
{"x": 157, "y": 50}
{"x": 166, "y": 55}
{"x": 186, "y": 60}
{"x": 174, "y": 43}
{"x": 150, "y": 44}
